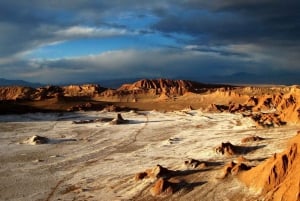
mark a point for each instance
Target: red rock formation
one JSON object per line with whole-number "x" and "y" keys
{"x": 16, "y": 92}
{"x": 266, "y": 120}
{"x": 161, "y": 186}
{"x": 140, "y": 176}
{"x": 267, "y": 110}
{"x": 238, "y": 168}
{"x": 227, "y": 149}
{"x": 252, "y": 138}
{"x": 277, "y": 178}
{"x": 192, "y": 163}
{"x": 218, "y": 108}
{"x": 119, "y": 120}
{"x": 253, "y": 101}
{"x": 89, "y": 90}
{"x": 36, "y": 139}
{"x": 168, "y": 87}
{"x": 270, "y": 106}
{"x": 233, "y": 169}
{"x": 27, "y": 93}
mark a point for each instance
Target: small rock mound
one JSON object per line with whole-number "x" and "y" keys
{"x": 252, "y": 138}
{"x": 162, "y": 187}
{"x": 140, "y": 176}
{"x": 119, "y": 120}
{"x": 227, "y": 149}
{"x": 278, "y": 177}
{"x": 156, "y": 172}
{"x": 36, "y": 139}
{"x": 233, "y": 168}
{"x": 164, "y": 184}
{"x": 192, "y": 164}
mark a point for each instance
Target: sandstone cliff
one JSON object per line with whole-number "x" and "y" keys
{"x": 279, "y": 176}
{"x": 41, "y": 93}
{"x": 16, "y": 92}
{"x": 165, "y": 86}
{"x": 269, "y": 106}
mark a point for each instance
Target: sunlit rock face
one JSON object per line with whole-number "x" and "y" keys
{"x": 279, "y": 176}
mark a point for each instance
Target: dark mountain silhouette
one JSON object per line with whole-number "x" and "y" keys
{"x": 6, "y": 82}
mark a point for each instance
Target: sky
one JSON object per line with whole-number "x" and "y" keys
{"x": 75, "y": 41}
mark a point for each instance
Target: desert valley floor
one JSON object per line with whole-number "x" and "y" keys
{"x": 98, "y": 161}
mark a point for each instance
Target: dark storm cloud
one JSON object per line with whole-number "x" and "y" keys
{"x": 211, "y": 37}
{"x": 210, "y": 28}
{"x": 230, "y": 22}
{"x": 132, "y": 63}
{"x": 28, "y": 24}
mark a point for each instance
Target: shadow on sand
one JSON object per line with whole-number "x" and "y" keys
{"x": 57, "y": 141}
{"x": 248, "y": 149}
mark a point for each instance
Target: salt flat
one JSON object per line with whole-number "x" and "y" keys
{"x": 98, "y": 161}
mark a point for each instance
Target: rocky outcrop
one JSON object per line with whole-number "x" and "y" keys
{"x": 172, "y": 87}
{"x": 268, "y": 106}
{"x": 119, "y": 120}
{"x": 267, "y": 120}
{"x": 228, "y": 149}
{"x": 267, "y": 110}
{"x": 16, "y": 93}
{"x": 89, "y": 90}
{"x": 36, "y": 139}
{"x": 162, "y": 187}
{"x": 161, "y": 87}
{"x": 165, "y": 184}
{"x": 41, "y": 93}
{"x": 112, "y": 121}
{"x": 252, "y": 138}
{"x": 193, "y": 163}
{"x": 156, "y": 172}
{"x": 277, "y": 178}
{"x": 233, "y": 168}
{"x": 48, "y": 92}
{"x": 165, "y": 86}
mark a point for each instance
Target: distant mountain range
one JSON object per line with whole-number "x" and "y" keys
{"x": 6, "y": 82}
{"x": 236, "y": 78}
